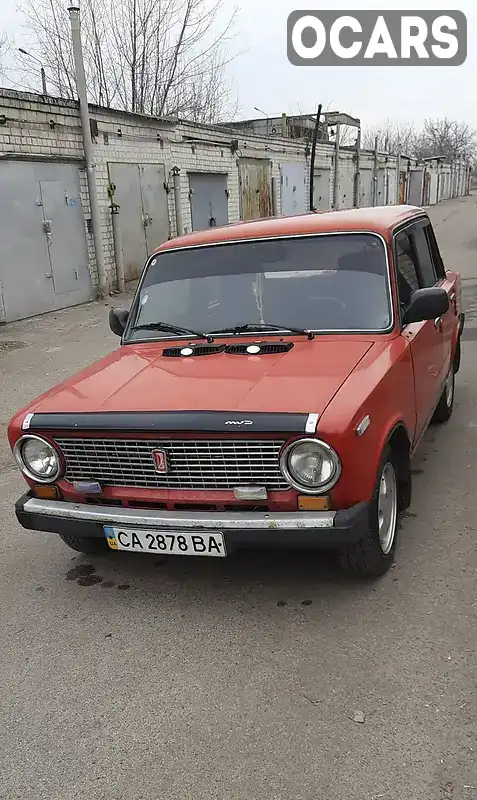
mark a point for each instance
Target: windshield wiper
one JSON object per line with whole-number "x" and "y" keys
{"x": 167, "y": 328}
{"x": 258, "y": 326}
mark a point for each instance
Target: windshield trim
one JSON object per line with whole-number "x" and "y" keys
{"x": 125, "y": 339}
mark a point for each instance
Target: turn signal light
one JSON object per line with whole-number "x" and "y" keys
{"x": 307, "y": 503}
{"x": 47, "y": 492}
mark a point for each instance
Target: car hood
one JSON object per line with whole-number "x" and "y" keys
{"x": 139, "y": 378}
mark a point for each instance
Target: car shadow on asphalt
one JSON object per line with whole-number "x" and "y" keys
{"x": 280, "y": 577}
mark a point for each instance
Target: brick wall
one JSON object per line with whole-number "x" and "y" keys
{"x": 49, "y": 128}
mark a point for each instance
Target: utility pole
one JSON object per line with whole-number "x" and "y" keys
{"x": 398, "y": 179}
{"x": 336, "y": 175}
{"x": 357, "y": 175}
{"x": 375, "y": 172}
{"x": 313, "y": 156}
{"x": 74, "y": 13}
{"x": 42, "y": 69}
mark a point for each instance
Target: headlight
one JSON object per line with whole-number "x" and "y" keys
{"x": 37, "y": 459}
{"x": 310, "y": 465}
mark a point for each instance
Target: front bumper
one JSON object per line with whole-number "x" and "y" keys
{"x": 296, "y": 530}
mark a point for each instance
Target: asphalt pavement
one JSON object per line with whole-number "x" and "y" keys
{"x": 259, "y": 677}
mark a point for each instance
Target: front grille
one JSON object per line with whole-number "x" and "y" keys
{"x": 192, "y": 463}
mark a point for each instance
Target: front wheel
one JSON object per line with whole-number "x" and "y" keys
{"x": 373, "y": 555}
{"x": 445, "y": 405}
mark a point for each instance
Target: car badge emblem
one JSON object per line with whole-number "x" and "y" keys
{"x": 160, "y": 461}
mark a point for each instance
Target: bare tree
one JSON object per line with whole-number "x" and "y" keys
{"x": 449, "y": 138}
{"x": 348, "y": 135}
{"x": 5, "y": 50}
{"x": 393, "y": 137}
{"x": 438, "y": 137}
{"x": 158, "y": 57}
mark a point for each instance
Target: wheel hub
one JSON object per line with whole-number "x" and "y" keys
{"x": 450, "y": 388}
{"x": 387, "y": 508}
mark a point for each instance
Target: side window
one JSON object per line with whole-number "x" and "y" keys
{"x": 427, "y": 273}
{"x": 406, "y": 270}
{"x": 434, "y": 248}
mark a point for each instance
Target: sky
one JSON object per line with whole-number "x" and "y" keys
{"x": 264, "y": 78}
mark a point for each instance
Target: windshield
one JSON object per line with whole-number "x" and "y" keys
{"x": 330, "y": 282}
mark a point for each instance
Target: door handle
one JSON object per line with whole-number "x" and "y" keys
{"x": 438, "y": 324}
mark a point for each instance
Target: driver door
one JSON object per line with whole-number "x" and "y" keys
{"x": 424, "y": 338}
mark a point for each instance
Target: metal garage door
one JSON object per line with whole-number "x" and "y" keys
{"x": 433, "y": 186}
{"x": 346, "y": 183}
{"x": 403, "y": 187}
{"x": 293, "y": 188}
{"x": 255, "y": 188}
{"x": 366, "y": 198}
{"x": 143, "y": 211}
{"x": 392, "y": 187}
{"x": 43, "y": 249}
{"x": 321, "y": 189}
{"x": 381, "y": 186}
{"x": 416, "y": 178}
{"x": 209, "y": 205}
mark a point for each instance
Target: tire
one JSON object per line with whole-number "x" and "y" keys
{"x": 373, "y": 555}
{"x": 445, "y": 405}
{"x": 90, "y": 547}
{"x": 457, "y": 357}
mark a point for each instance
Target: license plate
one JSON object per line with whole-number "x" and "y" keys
{"x": 133, "y": 540}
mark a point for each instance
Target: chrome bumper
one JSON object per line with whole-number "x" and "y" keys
{"x": 295, "y": 530}
{"x": 175, "y": 520}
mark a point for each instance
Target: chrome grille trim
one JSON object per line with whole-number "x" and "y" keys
{"x": 193, "y": 463}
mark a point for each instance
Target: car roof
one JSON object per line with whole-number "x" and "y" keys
{"x": 379, "y": 219}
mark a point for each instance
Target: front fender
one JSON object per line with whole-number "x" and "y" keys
{"x": 381, "y": 390}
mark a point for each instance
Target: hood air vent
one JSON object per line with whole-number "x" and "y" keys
{"x": 191, "y": 350}
{"x": 259, "y": 348}
{"x": 254, "y": 349}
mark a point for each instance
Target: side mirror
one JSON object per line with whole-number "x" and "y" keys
{"x": 118, "y": 318}
{"x": 426, "y": 304}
